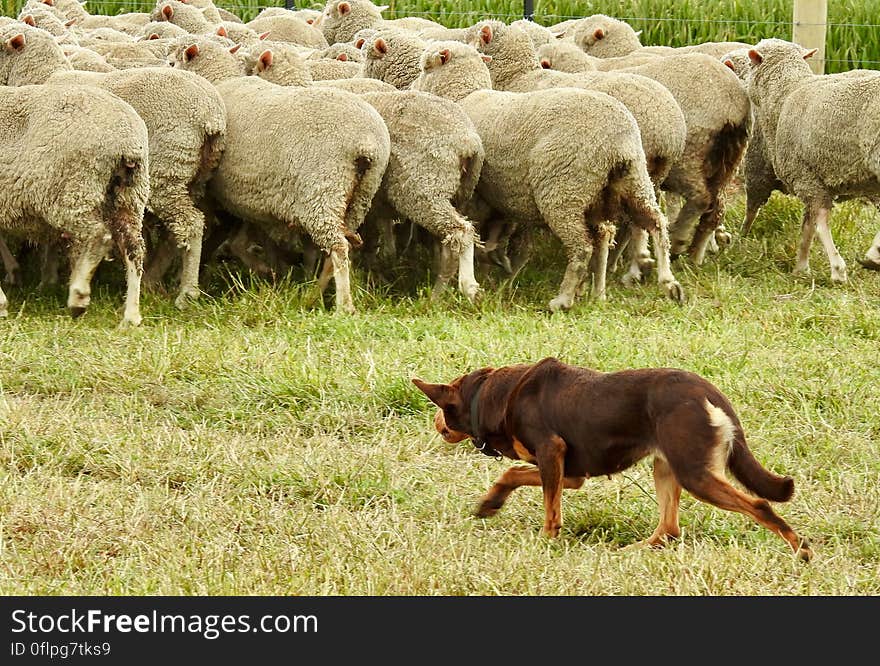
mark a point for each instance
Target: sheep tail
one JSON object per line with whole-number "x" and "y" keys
{"x": 126, "y": 195}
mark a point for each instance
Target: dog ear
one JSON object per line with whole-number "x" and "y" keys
{"x": 441, "y": 395}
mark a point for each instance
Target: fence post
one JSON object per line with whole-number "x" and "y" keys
{"x": 288, "y": 4}
{"x": 529, "y": 10}
{"x": 809, "y": 25}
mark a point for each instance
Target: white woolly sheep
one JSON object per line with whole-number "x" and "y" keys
{"x": 103, "y": 164}
{"x": 435, "y": 162}
{"x": 306, "y": 158}
{"x": 341, "y": 19}
{"x": 570, "y": 157}
{"x": 186, "y": 123}
{"x": 393, "y": 56}
{"x": 606, "y": 37}
{"x": 821, "y": 137}
{"x": 289, "y": 29}
{"x": 514, "y": 67}
{"x": 717, "y": 114}
{"x": 182, "y": 15}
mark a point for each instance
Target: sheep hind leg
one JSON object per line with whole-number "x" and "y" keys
{"x": 342, "y": 277}
{"x": 83, "y": 266}
{"x": 578, "y": 244}
{"x": 681, "y": 231}
{"x": 189, "y": 272}
{"x": 808, "y": 230}
{"x": 9, "y": 263}
{"x": 50, "y": 260}
{"x": 650, "y": 218}
{"x": 599, "y": 259}
{"x": 872, "y": 256}
{"x": 838, "y": 266}
{"x": 4, "y": 305}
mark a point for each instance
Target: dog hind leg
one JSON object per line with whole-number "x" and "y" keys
{"x": 717, "y": 491}
{"x": 668, "y": 496}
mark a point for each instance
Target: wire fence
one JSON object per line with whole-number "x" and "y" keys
{"x": 853, "y": 34}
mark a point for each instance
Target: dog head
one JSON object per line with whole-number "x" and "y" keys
{"x": 455, "y": 402}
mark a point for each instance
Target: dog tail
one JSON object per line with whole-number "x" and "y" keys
{"x": 749, "y": 472}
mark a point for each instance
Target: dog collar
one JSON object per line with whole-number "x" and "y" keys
{"x": 478, "y": 440}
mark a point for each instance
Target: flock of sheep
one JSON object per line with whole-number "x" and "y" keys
{"x": 320, "y": 130}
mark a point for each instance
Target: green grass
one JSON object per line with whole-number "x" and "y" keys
{"x": 255, "y": 445}
{"x": 853, "y": 33}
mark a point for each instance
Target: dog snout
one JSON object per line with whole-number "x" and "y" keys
{"x": 447, "y": 433}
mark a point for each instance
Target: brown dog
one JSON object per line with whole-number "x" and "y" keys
{"x": 574, "y": 423}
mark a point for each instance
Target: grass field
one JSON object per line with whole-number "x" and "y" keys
{"x": 255, "y": 445}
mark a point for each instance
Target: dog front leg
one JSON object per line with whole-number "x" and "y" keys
{"x": 512, "y": 479}
{"x": 551, "y": 462}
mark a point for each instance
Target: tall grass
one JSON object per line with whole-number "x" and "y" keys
{"x": 853, "y": 33}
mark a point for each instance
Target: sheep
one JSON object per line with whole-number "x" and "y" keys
{"x": 537, "y": 33}
{"x": 435, "y": 162}
{"x": 606, "y": 37}
{"x": 341, "y": 19}
{"x": 308, "y": 158}
{"x": 208, "y": 9}
{"x": 289, "y": 29}
{"x": 717, "y": 114}
{"x": 161, "y": 30}
{"x": 821, "y": 138}
{"x": 97, "y": 147}
{"x": 565, "y": 56}
{"x": 514, "y": 67}
{"x": 760, "y": 179}
{"x": 136, "y": 54}
{"x": 86, "y": 60}
{"x": 336, "y": 51}
{"x": 186, "y": 123}
{"x": 393, "y": 56}
{"x": 89, "y": 37}
{"x": 570, "y": 157}
{"x": 182, "y": 15}
{"x": 325, "y": 69}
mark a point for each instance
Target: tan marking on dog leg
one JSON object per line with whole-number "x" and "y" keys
{"x": 668, "y": 497}
{"x": 551, "y": 462}
{"x": 523, "y": 452}
{"x": 512, "y": 479}
{"x": 717, "y": 491}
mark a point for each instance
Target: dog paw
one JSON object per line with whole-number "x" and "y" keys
{"x": 805, "y": 553}
{"x": 488, "y": 508}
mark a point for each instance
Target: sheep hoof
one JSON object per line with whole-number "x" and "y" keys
{"x": 838, "y": 277}
{"x": 560, "y": 303}
{"x": 631, "y": 279}
{"x": 870, "y": 264}
{"x": 674, "y": 291}
{"x": 76, "y": 312}
{"x": 474, "y": 294}
{"x": 4, "y": 313}
{"x": 723, "y": 239}
{"x": 127, "y": 323}
{"x": 500, "y": 259}
{"x": 185, "y": 299}
{"x": 801, "y": 270}
{"x": 12, "y": 278}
